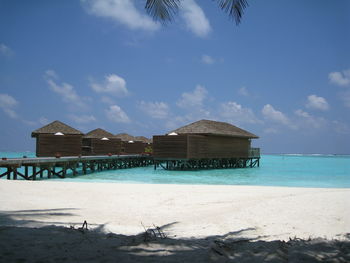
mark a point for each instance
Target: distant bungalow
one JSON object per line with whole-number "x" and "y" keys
{"x": 100, "y": 142}
{"x": 57, "y": 138}
{"x": 205, "y": 144}
{"x": 131, "y": 144}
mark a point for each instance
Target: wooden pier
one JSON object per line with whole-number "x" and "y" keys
{"x": 35, "y": 168}
{"x": 252, "y": 160}
{"x": 202, "y": 164}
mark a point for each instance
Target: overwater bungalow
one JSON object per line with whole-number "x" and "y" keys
{"x": 131, "y": 144}
{"x": 57, "y": 139}
{"x": 143, "y": 139}
{"x": 100, "y": 142}
{"x": 147, "y": 143}
{"x": 205, "y": 144}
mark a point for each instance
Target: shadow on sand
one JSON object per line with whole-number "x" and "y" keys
{"x": 20, "y": 243}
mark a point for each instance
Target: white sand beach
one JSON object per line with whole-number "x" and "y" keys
{"x": 183, "y": 212}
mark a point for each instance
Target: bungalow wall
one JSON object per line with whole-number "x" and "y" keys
{"x": 172, "y": 147}
{"x": 200, "y": 147}
{"x": 135, "y": 147}
{"x": 210, "y": 146}
{"x": 96, "y": 146}
{"x": 48, "y": 145}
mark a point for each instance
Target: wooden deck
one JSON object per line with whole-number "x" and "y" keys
{"x": 251, "y": 160}
{"x": 32, "y": 168}
{"x": 202, "y": 164}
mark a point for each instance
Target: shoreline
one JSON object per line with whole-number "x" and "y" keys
{"x": 177, "y": 184}
{"x": 268, "y": 212}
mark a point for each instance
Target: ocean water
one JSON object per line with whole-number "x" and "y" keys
{"x": 275, "y": 170}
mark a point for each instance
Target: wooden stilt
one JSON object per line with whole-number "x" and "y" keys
{"x": 9, "y": 170}
{"x": 49, "y": 173}
{"x": 34, "y": 173}
{"x": 84, "y": 167}
{"x": 14, "y": 170}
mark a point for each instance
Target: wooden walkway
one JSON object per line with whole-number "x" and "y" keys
{"x": 34, "y": 168}
{"x": 202, "y": 164}
{"x": 252, "y": 159}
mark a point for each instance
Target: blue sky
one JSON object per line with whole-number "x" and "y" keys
{"x": 283, "y": 73}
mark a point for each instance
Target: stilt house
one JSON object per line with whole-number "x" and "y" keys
{"x": 147, "y": 144}
{"x": 131, "y": 144}
{"x": 100, "y": 142}
{"x": 206, "y": 143}
{"x": 57, "y": 139}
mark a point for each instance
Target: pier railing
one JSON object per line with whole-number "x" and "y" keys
{"x": 254, "y": 153}
{"x": 32, "y": 168}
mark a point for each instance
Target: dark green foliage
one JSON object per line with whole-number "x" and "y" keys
{"x": 163, "y": 10}
{"x": 234, "y": 8}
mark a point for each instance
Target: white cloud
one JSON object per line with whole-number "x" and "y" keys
{"x": 5, "y": 50}
{"x": 195, "y": 18}
{"x": 237, "y": 114}
{"x": 65, "y": 90}
{"x": 107, "y": 100}
{"x": 116, "y": 114}
{"x": 317, "y": 103}
{"x": 345, "y": 97}
{"x": 11, "y": 113}
{"x": 341, "y": 127}
{"x": 113, "y": 85}
{"x": 206, "y": 59}
{"x": 308, "y": 120}
{"x": 340, "y": 78}
{"x": 302, "y": 113}
{"x": 43, "y": 120}
{"x": 51, "y": 74}
{"x": 40, "y": 121}
{"x": 157, "y": 110}
{"x": 193, "y": 99}
{"x": 82, "y": 119}
{"x": 7, "y": 104}
{"x": 7, "y": 101}
{"x": 243, "y": 91}
{"x": 121, "y": 11}
{"x": 271, "y": 131}
{"x": 271, "y": 114}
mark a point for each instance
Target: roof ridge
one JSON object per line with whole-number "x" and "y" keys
{"x": 56, "y": 126}
{"x": 97, "y": 133}
{"x": 214, "y": 127}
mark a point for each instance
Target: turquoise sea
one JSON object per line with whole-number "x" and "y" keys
{"x": 295, "y": 170}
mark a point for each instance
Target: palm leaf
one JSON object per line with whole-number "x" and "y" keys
{"x": 234, "y": 8}
{"x": 162, "y": 10}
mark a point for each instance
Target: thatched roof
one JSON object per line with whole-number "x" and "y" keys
{"x": 143, "y": 139}
{"x": 215, "y": 128}
{"x": 98, "y": 134}
{"x": 54, "y": 127}
{"x": 125, "y": 137}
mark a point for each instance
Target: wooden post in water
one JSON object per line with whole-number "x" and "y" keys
{"x": 14, "y": 169}
{"x": 74, "y": 168}
{"x": 64, "y": 170}
{"x": 9, "y": 173}
{"x": 84, "y": 167}
{"x": 49, "y": 172}
{"x": 34, "y": 172}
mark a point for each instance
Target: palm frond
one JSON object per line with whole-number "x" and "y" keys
{"x": 162, "y": 10}
{"x": 234, "y": 8}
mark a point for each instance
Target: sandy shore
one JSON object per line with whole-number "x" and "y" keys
{"x": 184, "y": 212}
{"x": 190, "y": 210}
